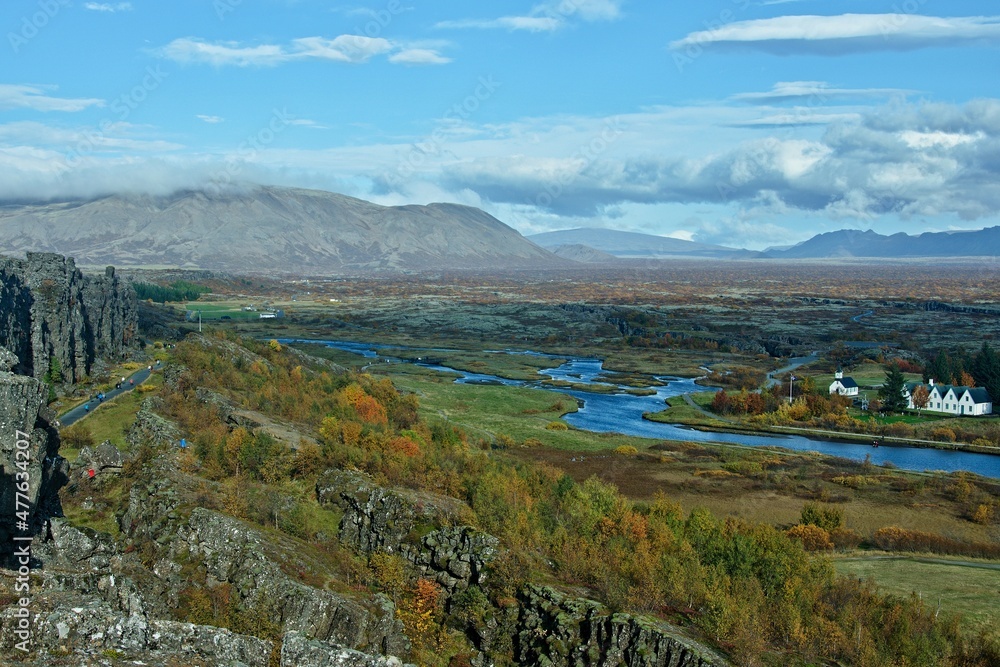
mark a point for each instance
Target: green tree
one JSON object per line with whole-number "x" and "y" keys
{"x": 55, "y": 374}
{"x": 939, "y": 369}
{"x": 986, "y": 370}
{"x": 891, "y": 393}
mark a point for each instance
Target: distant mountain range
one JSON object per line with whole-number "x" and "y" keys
{"x": 279, "y": 230}
{"x": 855, "y": 243}
{"x": 636, "y": 245}
{"x": 269, "y": 229}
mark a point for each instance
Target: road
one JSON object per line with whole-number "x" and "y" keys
{"x": 793, "y": 363}
{"x": 79, "y": 412}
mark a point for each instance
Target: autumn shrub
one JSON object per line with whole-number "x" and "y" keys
{"x": 943, "y": 434}
{"x": 813, "y": 538}
{"x": 626, "y": 450}
{"x": 826, "y": 517}
{"x": 894, "y": 538}
{"x": 557, "y": 426}
{"x": 982, "y": 514}
{"x": 845, "y": 539}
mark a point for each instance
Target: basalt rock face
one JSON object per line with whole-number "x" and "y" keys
{"x": 557, "y": 630}
{"x": 31, "y": 470}
{"x": 401, "y": 522}
{"x": 50, "y": 310}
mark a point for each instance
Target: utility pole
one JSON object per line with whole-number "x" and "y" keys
{"x": 199, "y": 328}
{"x": 791, "y": 381}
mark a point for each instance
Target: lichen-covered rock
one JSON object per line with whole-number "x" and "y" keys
{"x": 150, "y": 428}
{"x": 105, "y": 459}
{"x": 31, "y": 470}
{"x": 375, "y": 518}
{"x": 557, "y": 630}
{"x": 300, "y": 651}
{"x": 87, "y": 631}
{"x": 390, "y": 520}
{"x": 52, "y": 311}
{"x": 8, "y": 360}
{"x": 456, "y": 558}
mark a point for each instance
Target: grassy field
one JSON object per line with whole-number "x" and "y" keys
{"x": 973, "y": 592}
{"x": 216, "y": 310}
{"x": 679, "y": 412}
{"x": 110, "y": 420}
{"x": 489, "y": 410}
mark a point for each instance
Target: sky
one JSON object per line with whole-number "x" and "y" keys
{"x": 748, "y": 123}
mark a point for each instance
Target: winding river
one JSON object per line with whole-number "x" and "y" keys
{"x": 622, "y": 412}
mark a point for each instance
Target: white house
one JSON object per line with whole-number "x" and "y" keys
{"x": 953, "y": 400}
{"x": 843, "y": 386}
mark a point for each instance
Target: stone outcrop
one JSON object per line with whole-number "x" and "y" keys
{"x": 299, "y": 651}
{"x": 401, "y": 521}
{"x": 52, "y": 311}
{"x": 234, "y": 552}
{"x": 561, "y": 631}
{"x": 150, "y": 428}
{"x": 31, "y": 469}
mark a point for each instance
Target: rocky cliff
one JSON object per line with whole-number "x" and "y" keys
{"x": 50, "y": 310}
{"x": 31, "y": 470}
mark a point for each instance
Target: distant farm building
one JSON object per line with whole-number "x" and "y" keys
{"x": 843, "y": 386}
{"x": 953, "y": 400}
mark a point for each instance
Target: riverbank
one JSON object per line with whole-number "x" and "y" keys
{"x": 683, "y": 411}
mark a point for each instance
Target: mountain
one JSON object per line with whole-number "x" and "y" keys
{"x": 633, "y": 244}
{"x": 857, "y": 243}
{"x": 582, "y": 253}
{"x": 268, "y": 229}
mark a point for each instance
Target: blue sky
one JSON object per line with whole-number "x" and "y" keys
{"x": 741, "y": 122}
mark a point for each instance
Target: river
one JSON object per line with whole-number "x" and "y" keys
{"x": 621, "y": 412}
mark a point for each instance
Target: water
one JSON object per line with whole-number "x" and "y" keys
{"x": 621, "y": 412}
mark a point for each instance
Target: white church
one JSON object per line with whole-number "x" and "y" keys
{"x": 844, "y": 386}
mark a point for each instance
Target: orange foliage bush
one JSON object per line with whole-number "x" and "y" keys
{"x": 813, "y": 538}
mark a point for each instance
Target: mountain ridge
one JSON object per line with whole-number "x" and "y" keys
{"x": 268, "y": 229}
{"x": 847, "y": 243}
{"x": 623, "y": 244}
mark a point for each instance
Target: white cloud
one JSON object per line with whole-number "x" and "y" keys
{"x": 14, "y": 96}
{"x": 546, "y": 17}
{"x": 896, "y": 161}
{"x": 305, "y": 122}
{"x": 354, "y": 49}
{"x": 109, "y": 138}
{"x": 845, "y": 33}
{"x": 186, "y": 50}
{"x": 419, "y": 57}
{"x": 526, "y": 23}
{"x": 816, "y": 92}
{"x": 110, "y": 7}
{"x": 210, "y": 119}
